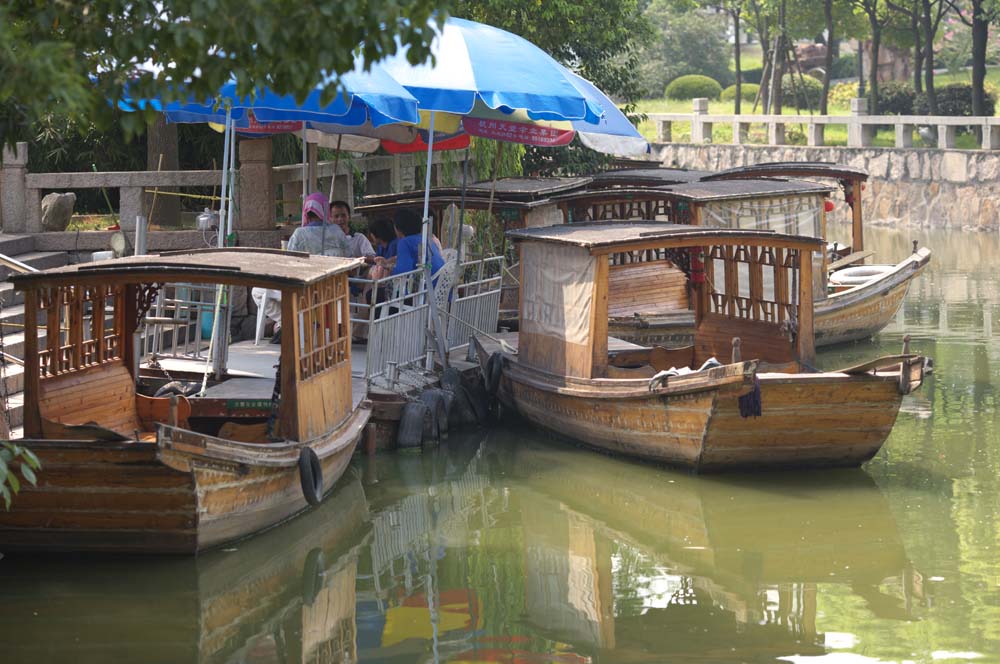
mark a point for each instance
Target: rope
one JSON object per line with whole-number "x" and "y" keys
{"x": 205, "y": 197}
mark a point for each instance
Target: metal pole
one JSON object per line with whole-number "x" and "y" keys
{"x": 225, "y": 177}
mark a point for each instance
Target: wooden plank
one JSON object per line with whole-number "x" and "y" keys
{"x": 599, "y": 320}
{"x": 32, "y": 417}
{"x": 290, "y": 369}
{"x": 850, "y": 259}
{"x": 805, "y": 337}
{"x": 857, "y": 223}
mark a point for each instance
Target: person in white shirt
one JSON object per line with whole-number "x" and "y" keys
{"x": 316, "y": 236}
{"x": 340, "y": 216}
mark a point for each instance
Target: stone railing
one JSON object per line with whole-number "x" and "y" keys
{"x": 257, "y": 184}
{"x": 861, "y": 127}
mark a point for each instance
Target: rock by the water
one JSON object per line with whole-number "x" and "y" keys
{"x": 57, "y": 210}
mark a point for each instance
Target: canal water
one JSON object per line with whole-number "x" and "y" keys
{"x": 505, "y": 546}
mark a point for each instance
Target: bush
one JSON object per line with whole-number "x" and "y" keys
{"x": 670, "y": 53}
{"x": 846, "y": 66}
{"x": 895, "y": 98}
{"x": 841, "y": 94}
{"x": 803, "y": 92}
{"x": 692, "y": 86}
{"x": 954, "y": 99}
{"x": 752, "y": 75}
{"x": 748, "y": 92}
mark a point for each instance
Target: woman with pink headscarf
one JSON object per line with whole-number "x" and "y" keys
{"x": 316, "y": 236}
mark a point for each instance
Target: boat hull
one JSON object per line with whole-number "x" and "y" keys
{"x": 807, "y": 420}
{"x": 141, "y": 497}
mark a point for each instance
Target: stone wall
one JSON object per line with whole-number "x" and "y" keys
{"x": 908, "y": 186}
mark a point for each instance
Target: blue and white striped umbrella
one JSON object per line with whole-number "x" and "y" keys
{"x": 473, "y": 61}
{"x": 372, "y": 98}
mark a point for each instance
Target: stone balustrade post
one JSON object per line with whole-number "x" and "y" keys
{"x": 946, "y": 137}
{"x": 991, "y": 137}
{"x": 776, "y": 132}
{"x": 904, "y": 136}
{"x": 815, "y": 134}
{"x": 129, "y": 207}
{"x": 256, "y": 192}
{"x": 741, "y": 132}
{"x": 664, "y": 131}
{"x": 859, "y": 135}
{"x": 13, "y": 189}
{"x": 701, "y": 131}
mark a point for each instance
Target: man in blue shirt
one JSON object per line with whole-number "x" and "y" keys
{"x": 408, "y": 229}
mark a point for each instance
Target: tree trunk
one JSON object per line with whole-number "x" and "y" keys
{"x": 161, "y": 139}
{"x": 828, "y": 59}
{"x": 780, "y": 58}
{"x": 736, "y": 61}
{"x": 873, "y": 67}
{"x": 861, "y": 69}
{"x": 918, "y": 53}
{"x": 927, "y": 22}
{"x": 980, "y": 33}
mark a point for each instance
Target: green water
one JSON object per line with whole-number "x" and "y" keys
{"x": 506, "y": 546}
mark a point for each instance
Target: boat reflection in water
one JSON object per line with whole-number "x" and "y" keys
{"x": 514, "y": 550}
{"x": 285, "y": 596}
{"x": 636, "y": 560}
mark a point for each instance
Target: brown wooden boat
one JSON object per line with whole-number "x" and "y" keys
{"x": 852, "y": 300}
{"x": 753, "y": 298}
{"x": 122, "y": 471}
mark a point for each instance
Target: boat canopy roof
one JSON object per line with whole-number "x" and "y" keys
{"x": 236, "y": 265}
{"x": 614, "y": 236}
{"x": 509, "y": 190}
{"x": 823, "y": 169}
{"x": 647, "y": 177}
{"x": 705, "y": 192}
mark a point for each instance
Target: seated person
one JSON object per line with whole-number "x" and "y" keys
{"x": 358, "y": 244}
{"x": 315, "y": 236}
{"x": 383, "y": 239}
{"x": 408, "y": 228}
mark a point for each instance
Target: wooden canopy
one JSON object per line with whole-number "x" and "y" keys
{"x": 616, "y": 236}
{"x": 271, "y": 268}
{"x": 822, "y": 169}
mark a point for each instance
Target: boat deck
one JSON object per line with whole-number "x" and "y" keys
{"x": 251, "y": 371}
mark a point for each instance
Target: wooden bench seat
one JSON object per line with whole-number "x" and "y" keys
{"x": 104, "y": 396}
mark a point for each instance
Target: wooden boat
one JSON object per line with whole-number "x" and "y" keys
{"x": 288, "y": 595}
{"x": 853, "y": 300}
{"x": 122, "y": 471}
{"x": 753, "y": 298}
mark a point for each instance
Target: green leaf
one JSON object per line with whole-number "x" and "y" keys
{"x": 5, "y": 493}
{"x": 30, "y": 457}
{"x": 29, "y": 474}
{"x": 13, "y": 482}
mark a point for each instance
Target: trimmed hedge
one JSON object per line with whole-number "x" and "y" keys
{"x": 896, "y": 98}
{"x": 846, "y": 66}
{"x": 805, "y": 91}
{"x": 692, "y": 86}
{"x": 752, "y": 75}
{"x": 954, "y": 99}
{"x": 748, "y": 92}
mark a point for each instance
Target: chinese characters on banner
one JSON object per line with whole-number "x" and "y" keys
{"x": 518, "y": 132}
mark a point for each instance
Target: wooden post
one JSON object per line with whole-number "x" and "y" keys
{"x": 857, "y": 226}
{"x": 806, "y": 344}
{"x": 599, "y": 318}
{"x": 289, "y": 415}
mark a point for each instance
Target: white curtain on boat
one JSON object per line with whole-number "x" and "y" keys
{"x": 557, "y": 291}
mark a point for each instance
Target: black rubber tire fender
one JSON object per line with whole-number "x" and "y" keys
{"x": 311, "y": 475}
{"x": 411, "y": 425}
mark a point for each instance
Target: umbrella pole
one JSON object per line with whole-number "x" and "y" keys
{"x": 224, "y": 203}
{"x": 305, "y": 165}
{"x": 461, "y": 216}
{"x": 336, "y": 162}
{"x": 425, "y": 231}
{"x": 232, "y": 184}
